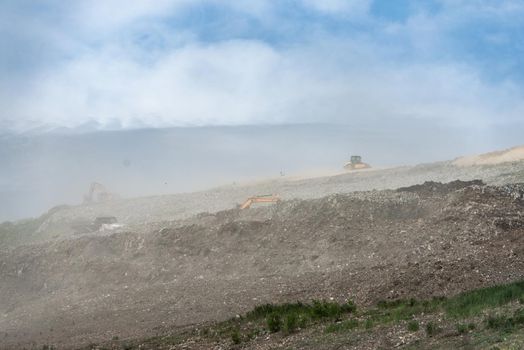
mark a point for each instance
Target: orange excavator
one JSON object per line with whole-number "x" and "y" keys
{"x": 267, "y": 198}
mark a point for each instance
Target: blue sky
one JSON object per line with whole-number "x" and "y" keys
{"x": 137, "y": 63}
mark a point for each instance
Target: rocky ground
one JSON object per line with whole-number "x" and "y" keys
{"x": 195, "y": 258}
{"x": 419, "y": 241}
{"x": 137, "y": 214}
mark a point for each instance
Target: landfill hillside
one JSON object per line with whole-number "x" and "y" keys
{"x": 64, "y": 221}
{"x": 186, "y": 260}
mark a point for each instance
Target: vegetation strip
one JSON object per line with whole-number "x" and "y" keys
{"x": 333, "y": 317}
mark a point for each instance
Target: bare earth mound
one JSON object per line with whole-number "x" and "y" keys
{"x": 514, "y": 154}
{"x": 417, "y": 241}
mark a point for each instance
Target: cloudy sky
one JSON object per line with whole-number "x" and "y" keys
{"x": 118, "y": 64}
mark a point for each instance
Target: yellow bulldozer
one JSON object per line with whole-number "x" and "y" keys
{"x": 356, "y": 163}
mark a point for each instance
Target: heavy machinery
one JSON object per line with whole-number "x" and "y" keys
{"x": 97, "y": 193}
{"x": 267, "y": 198}
{"x": 99, "y": 224}
{"x": 356, "y": 164}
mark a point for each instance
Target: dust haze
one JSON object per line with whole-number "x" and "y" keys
{"x": 44, "y": 170}
{"x": 292, "y": 174}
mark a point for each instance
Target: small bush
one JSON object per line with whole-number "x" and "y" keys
{"x": 235, "y": 337}
{"x": 274, "y": 322}
{"x": 303, "y": 321}
{"x": 518, "y": 316}
{"x": 342, "y": 326}
{"x": 462, "y": 328}
{"x": 498, "y": 322}
{"x": 323, "y": 309}
{"x": 349, "y": 306}
{"x": 252, "y": 334}
{"x": 431, "y": 329}
{"x": 369, "y": 323}
{"x": 413, "y": 326}
{"x": 291, "y": 323}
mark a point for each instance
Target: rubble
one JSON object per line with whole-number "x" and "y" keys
{"x": 423, "y": 241}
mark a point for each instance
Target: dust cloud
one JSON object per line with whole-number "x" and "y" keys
{"x": 39, "y": 171}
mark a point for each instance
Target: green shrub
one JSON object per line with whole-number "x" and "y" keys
{"x": 290, "y": 323}
{"x": 349, "y": 307}
{"x": 303, "y": 321}
{"x": 503, "y": 323}
{"x": 473, "y": 302}
{"x": 235, "y": 337}
{"x": 342, "y": 326}
{"x": 369, "y": 323}
{"x": 431, "y": 329}
{"x": 413, "y": 326}
{"x": 274, "y": 322}
{"x": 323, "y": 309}
{"x": 462, "y": 328}
{"x": 518, "y": 316}
{"x": 253, "y": 333}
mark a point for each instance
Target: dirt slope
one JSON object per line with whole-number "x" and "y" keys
{"x": 415, "y": 242}
{"x": 514, "y": 154}
{"x": 135, "y": 213}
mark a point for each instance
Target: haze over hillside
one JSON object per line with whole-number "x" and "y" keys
{"x": 43, "y": 170}
{"x": 262, "y": 174}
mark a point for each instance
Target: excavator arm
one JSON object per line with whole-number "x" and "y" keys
{"x": 260, "y": 199}
{"x": 97, "y": 193}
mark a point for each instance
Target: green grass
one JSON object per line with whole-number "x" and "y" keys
{"x": 462, "y": 310}
{"x": 235, "y": 337}
{"x": 474, "y": 302}
{"x": 274, "y": 322}
{"x": 505, "y": 323}
{"x": 342, "y": 326}
{"x": 291, "y": 316}
{"x": 401, "y": 310}
{"x": 432, "y": 329}
{"x": 413, "y": 326}
{"x": 290, "y": 323}
{"x": 463, "y": 328}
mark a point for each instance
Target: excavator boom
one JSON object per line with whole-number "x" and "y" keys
{"x": 97, "y": 193}
{"x": 259, "y": 199}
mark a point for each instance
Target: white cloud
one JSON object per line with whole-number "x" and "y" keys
{"x": 189, "y": 82}
{"x": 354, "y": 8}
{"x": 249, "y": 82}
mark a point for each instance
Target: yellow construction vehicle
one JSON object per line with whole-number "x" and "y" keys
{"x": 267, "y": 198}
{"x": 356, "y": 164}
